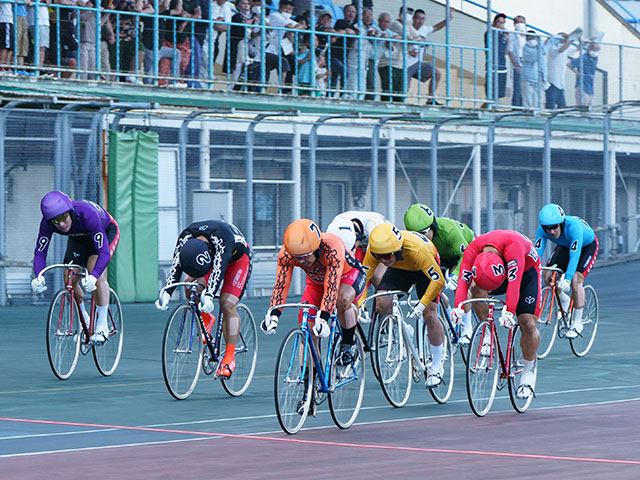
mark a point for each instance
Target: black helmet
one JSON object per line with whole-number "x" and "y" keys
{"x": 195, "y": 258}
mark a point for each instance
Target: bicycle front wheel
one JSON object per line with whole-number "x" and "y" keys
{"x": 441, "y": 392}
{"x": 520, "y": 405}
{"x": 292, "y": 385}
{"x": 590, "y": 316}
{"x": 63, "y": 334}
{"x": 482, "y": 369}
{"x": 182, "y": 346}
{"x": 394, "y": 362}
{"x": 246, "y": 354}
{"x": 547, "y": 322}
{"x": 107, "y": 355}
{"x": 347, "y": 386}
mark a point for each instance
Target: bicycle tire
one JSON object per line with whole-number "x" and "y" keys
{"x": 394, "y": 362}
{"x": 182, "y": 346}
{"x": 482, "y": 370}
{"x": 516, "y": 365}
{"x": 291, "y": 383}
{"x": 246, "y": 354}
{"x": 547, "y": 322}
{"x": 107, "y": 355}
{"x": 441, "y": 392}
{"x": 347, "y": 386}
{"x": 581, "y": 345}
{"x": 374, "y": 327}
{"x": 63, "y": 334}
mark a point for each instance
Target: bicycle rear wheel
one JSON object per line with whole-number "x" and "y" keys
{"x": 182, "y": 352}
{"x": 482, "y": 369}
{"x": 292, "y": 388}
{"x": 246, "y": 354}
{"x": 107, "y": 355}
{"x": 63, "y": 334}
{"x": 520, "y": 405}
{"x": 590, "y": 316}
{"x": 394, "y": 361}
{"x": 441, "y": 392}
{"x": 547, "y": 322}
{"x": 347, "y": 385}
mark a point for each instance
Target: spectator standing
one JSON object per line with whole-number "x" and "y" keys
{"x": 43, "y": 27}
{"x": 68, "y": 41}
{"x": 129, "y": 37}
{"x": 323, "y": 75}
{"x": 390, "y": 65}
{"x": 499, "y": 71}
{"x": 22, "y": 37}
{"x": 240, "y": 35}
{"x": 221, "y": 12}
{"x": 514, "y": 49}
{"x": 325, "y": 42}
{"x": 6, "y": 35}
{"x": 190, "y": 10}
{"x": 171, "y": 36}
{"x": 346, "y": 49}
{"x": 585, "y": 67}
{"x": 165, "y": 52}
{"x": 305, "y": 67}
{"x": 560, "y": 48}
{"x": 379, "y": 31}
{"x": 107, "y": 37}
{"x": 533, "y": 71}
{"x": 412, "y": 34}
{"x": 200, "y": 29}
{"x": 274, "y": 52}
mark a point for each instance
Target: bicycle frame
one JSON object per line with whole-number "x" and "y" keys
{"x": 555, "y": 295}
{"x": 367, "y": 339}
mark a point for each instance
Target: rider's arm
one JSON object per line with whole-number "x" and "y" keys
{"x": 514, "y": 258}
{"x": 100, "y": 243}
{"x": 432, "y": 270}
{"x": 222, "y": 244}
{"x": 541, "y": 241}
{"x": 459, "y": 244}
{"x": 42, "y": 246}
{"x": 283, "y": 280}
{"x": 370, "y": 263}
{"x": 466, "y": 273}
{"x": 333, "y": 256}
{"x": 575, "y": 235}
{"x": 175, "y": 272}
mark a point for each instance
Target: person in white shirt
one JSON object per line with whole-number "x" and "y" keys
{"x": 220, "y": 11}
{"x": 560, "y": 48}
{"x": 515, "y": 47}
{"x": 276, "y": 49}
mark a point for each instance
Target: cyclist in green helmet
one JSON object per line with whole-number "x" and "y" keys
{"x": 450, "y": 238}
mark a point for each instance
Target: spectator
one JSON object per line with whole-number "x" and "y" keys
{"x": 165, "y": 57}
{"x": 379, "y": 31}
{"x": 43, "y": 28}
{"x": 87, "y": 57}
{"x": 560, "y": 48}
{"x": 6, "y": 34}
{"x": 274, "y": 52}
{"x": 305, "y": 67}
{"x": 22, "y": 37}
{"x": 347, "y": 49}
{"x": 404, "y": 22}
{"x": 323, "y": 75}
{"x": 171, "y": 36}
{"x": 107, "y": 38}
{"x": 68, "y": 41}
{"x": 514, "y": 49}
{"x": 499, "y": 71}
{"x": 368, "y": 54}
{"x": 533, "y": 71}
{"x": 200, "y": 30}
{"x": 239, "y": 35}
{"x": 420, "y": 69}
{"x": 126, "y": 60}
{"x": 221, "y": 12}
{"x": 585, "y": 67}
{"x": 325, "y": 42}
{"x": 188, "y": 47}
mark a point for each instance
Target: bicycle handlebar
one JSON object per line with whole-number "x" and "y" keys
{"x": 482, "y": 300}
{"x": 290, "y": 305}
{"x": 552, "y": 269}
{"x": 66, "y": 266}
{"x": 383, "y": 294}
{"x": 181, "y": 284}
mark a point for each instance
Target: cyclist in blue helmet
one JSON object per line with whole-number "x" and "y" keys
{"x": 93, "y": 238}
{"x": 575, "y": 253}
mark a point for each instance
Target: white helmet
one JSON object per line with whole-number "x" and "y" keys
{"x": 344, "y": 229}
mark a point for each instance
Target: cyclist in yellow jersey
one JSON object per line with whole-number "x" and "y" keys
{"x": 411, "y": 259}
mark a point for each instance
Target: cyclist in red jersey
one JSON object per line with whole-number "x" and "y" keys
{"x": 499, "y": 262}
{"x": 335, "y": 279}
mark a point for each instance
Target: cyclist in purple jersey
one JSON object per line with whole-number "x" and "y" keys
{"x": 93, "y": 237}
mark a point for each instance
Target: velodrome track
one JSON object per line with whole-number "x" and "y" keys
{"x": 583, "y": 423}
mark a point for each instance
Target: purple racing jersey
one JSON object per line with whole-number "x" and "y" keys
{"x": 89, "y": 220}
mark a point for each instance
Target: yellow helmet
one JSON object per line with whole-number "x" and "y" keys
{"x": 302, "y": 237}
{"x": 385, "y": 239}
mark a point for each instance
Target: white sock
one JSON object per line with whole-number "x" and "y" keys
{"x": 565, "y": 300}
{"x": 577, "y": 315}
{"x": 466, "y": 321}
{"x": 101, "y": 323}
{"x": 436, "y": 356}
{"x": 85, "y": 314}
{"x": 527, "y": 366}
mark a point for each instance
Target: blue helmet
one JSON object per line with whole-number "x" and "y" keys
{"x": 195, "y": 258}
{"x": 54, "y": 204}
{"x": 551, "y": 214}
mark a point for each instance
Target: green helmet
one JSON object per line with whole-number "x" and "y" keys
{"x": 418, "y": 217}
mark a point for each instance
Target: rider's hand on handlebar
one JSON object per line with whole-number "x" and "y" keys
{"x": 456, "y": 315}
{"x": 38, "y": 284}
{"x": 269, "y": 324}
{"x": 564, "y": 285}
{"x": 162, "y": 303}
{"x": 88, "y": 283}
{"x": 206, "y": 304}
{"x": 507, "y": 319}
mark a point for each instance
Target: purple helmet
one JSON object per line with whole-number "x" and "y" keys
{"x": 55, "y": 203}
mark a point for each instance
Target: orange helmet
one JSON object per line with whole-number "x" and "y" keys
{"x": 302, "y": 237}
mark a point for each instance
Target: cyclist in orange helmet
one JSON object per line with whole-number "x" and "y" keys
{"x": 335, "y": 279}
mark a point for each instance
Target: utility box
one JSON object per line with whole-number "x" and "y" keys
{"x": 212, "y": 205}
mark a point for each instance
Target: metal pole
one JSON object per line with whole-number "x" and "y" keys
{"x": 391, "y": 176}
{"x": 205, "y": 157}
{"x": 546, "y": 163}
{"x": 477, "y": 186}
{"x": 490, "y": 140}
{"x": 606, "y": 185}
{"x": 434, "y": 168}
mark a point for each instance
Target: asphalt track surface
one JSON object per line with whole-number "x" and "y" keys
{"x": 582, "y": 424}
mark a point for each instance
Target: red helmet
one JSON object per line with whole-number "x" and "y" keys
{"x": 488, "y": 271}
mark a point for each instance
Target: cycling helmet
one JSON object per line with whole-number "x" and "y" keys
{"x": 385, "y": 239}
{"x": 551, "y": 214}
{"x": 344, "y": 229}
{"x": 488, "y": 271}
{"x": 195, "y": 258}
{"x": 302, "y": 237}
{"x": 418, "y": 218}
{"x": 54, "y": 204}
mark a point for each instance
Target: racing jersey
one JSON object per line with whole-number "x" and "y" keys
{"x": 368, "y": 220}
{"x": 418, "y": 254}
{"x": 451, "y": 239}
{"x": 330, "y": 265}
{"x": 576, "y": 234}
{"x": 516, "y": 250}
{"x": 226, "y": 243}
{"x": 88, "y": 219}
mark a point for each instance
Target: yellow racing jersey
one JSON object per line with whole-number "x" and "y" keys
{"x": 418, "y": 254}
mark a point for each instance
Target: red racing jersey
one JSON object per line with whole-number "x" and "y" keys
{"x": 516, "y": 250}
